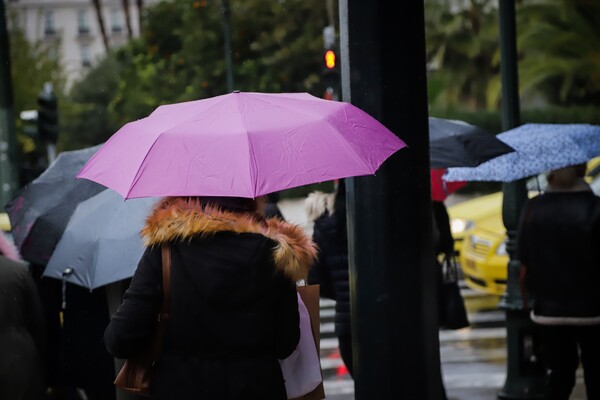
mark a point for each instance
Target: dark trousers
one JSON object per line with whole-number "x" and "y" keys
{"x": 563, "y": 348}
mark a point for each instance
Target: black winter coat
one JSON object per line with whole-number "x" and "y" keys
{"x": 331, "y": 268}
{"x": 559, "y": 238}
{"x": 233, "y": 308}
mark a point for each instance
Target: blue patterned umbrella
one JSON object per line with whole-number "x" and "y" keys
{"x": 538, "y": 148}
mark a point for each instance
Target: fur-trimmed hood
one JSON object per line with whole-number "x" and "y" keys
{"x": 177, "y": 219}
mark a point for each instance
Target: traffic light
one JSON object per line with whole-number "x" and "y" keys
{"x": 331, "y": 74}
{"x": 330, "y": 59}
{"x": 47, "y": 120}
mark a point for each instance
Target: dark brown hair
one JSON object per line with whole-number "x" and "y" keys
{"x": 233, "y": 204}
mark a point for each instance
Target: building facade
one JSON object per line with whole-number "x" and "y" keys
{"x": 72, "y": 28}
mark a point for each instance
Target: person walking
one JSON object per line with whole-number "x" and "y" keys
{"x": 233, "y": 310}
{"x": 22, "y": 332}
{"x": 558, "y": 240}
{"x": 330, "y": 271}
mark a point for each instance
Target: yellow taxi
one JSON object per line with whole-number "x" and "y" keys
{"x": 4, "y": 222}
{"x": 465, "y": 214}
{"x": 483, "y": 258}
{"x": 481, "y": 236}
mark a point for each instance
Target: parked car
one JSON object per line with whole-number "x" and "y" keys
{"x": 483, "y": 257}
{"x": 481, "y": 236}
{"x": 4, "y": 222}
{"x": 465, "y": 214}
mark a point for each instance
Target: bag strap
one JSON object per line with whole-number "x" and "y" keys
{"x": 166, "y": 274}
{"x": 163, "y": 316}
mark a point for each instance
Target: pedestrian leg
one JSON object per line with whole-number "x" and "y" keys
{"x": 589, "y": 342}
{"x": 562, "y": 359}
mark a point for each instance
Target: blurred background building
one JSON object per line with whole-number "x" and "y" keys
{"x": 78, "y": 32}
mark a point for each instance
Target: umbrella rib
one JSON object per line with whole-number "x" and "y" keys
{"x": 140, "y": 165}
{"x": 253, "y": 169}
{"x": 346, "y": 142}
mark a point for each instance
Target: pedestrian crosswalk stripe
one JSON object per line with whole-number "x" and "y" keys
{"x": 472, "y": 334}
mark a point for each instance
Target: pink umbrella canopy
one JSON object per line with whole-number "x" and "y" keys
{"x": 241, "y": 144}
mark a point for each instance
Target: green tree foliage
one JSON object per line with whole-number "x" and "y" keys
{"x": 462, "y": 53}
{"x": 560, "y": 45}
{"x": 86, "y": 118}
{"x": 32, "y": 64}
{"x": 275, "y": 46}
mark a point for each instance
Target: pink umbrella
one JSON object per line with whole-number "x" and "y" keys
{"x": 241, "y": 144}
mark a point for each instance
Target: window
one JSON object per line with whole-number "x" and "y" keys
{"x": 86, "y": 59}
{"x": 49, "y": 26}
{"x": 82, "y": 22}
{"x": 116, "y": 18}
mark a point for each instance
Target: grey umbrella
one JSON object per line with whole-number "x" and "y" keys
{"x": 40, "y": 211}
{"x": 101, "y": 243}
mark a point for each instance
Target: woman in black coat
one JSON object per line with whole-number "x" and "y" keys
{"x": 330, "y": 271}
{"x": 233, "y": 310}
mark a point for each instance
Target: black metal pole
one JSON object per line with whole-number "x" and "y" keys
{"x": 392, "y": 275}
{"x": 8, "y": 154}
{"x": 525, "y": 375}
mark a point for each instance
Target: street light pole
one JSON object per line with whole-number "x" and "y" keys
{"x": 8, "y": 153}
{"x": 525, "y": 375}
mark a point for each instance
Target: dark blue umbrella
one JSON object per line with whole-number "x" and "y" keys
{"x": 538, "y": 148}
{"x": 455, "y": 143}
{"x": 40, "y": 211}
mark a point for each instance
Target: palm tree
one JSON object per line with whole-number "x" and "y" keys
{"x": 462, "y": 51}
{"x": 561, "y": 57}
{"x": 100, "y": 17}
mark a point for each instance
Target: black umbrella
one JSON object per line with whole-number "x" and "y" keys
{"x": 41, "y": 210}
{"x": 454, "y": 143}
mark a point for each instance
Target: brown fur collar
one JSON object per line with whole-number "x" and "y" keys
{"x": 175, "y": 218}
